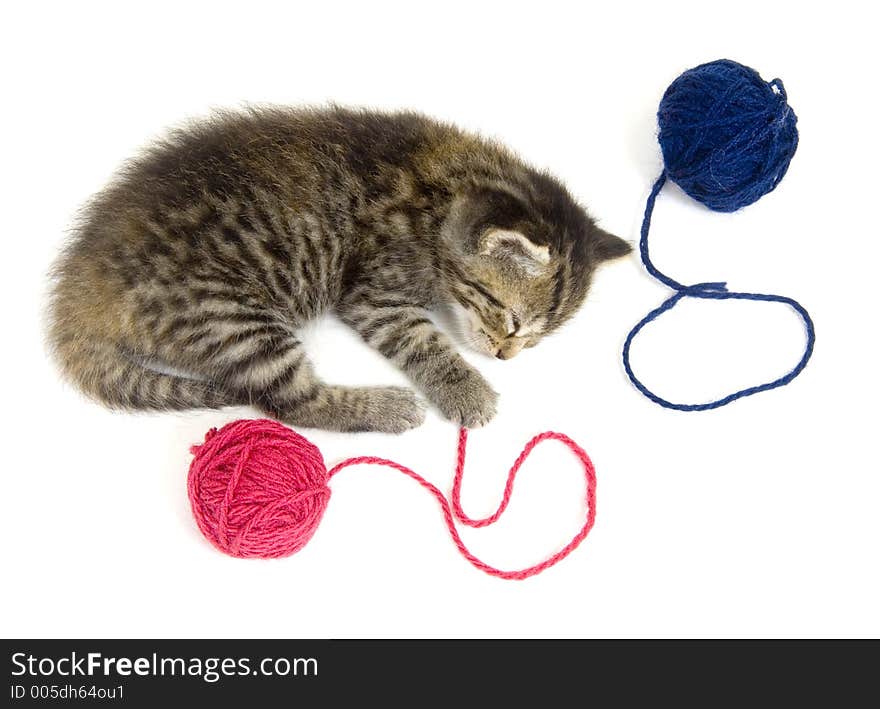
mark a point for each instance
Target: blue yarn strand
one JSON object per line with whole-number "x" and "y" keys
{"x": 706, "y": 291}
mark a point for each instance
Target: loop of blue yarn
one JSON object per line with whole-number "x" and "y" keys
{"x": 727, "y": 139}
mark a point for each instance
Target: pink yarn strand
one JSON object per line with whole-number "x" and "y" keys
{"x": 454, "y": 511}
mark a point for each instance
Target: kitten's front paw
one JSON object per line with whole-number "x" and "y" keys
{"x": 394, "y": 410}
{"x": 470, "y": 402}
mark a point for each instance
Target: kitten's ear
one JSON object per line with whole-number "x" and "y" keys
{"x": 516, "y": 248}
{"x": 607, "y": 246}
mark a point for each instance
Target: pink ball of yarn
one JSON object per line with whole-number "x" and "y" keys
{"x": 257, "y": 489}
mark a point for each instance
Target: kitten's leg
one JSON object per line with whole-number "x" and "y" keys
{"x": 288, "y": 389}
{"x": 404, "y": 334}
{"x": 269, "y": 369}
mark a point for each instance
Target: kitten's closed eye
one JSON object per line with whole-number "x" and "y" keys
{"x": 508, "y": 343}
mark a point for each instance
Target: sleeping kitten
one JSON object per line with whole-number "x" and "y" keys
{"x": 189, "y": 275}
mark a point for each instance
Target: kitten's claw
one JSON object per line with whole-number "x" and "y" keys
{"x": 470, "y": 403}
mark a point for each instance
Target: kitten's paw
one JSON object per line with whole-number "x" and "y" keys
{"x": 356, "y": 409}
{"x": 470, "y": 403}
{"x": 393, "y": 410}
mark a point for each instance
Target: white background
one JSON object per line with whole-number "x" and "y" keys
{"x": 759, "y": 519}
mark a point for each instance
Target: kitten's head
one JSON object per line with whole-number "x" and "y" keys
{"x": 524, "y": 260}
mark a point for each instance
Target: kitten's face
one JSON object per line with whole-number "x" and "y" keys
{"x": 508, "y": 295}
{"x": 526, "y": 266}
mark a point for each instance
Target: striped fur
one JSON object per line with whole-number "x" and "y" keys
{"x": 189, "y": 275}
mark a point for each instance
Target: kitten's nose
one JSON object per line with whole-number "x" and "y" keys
{"x": 500, "y": 354}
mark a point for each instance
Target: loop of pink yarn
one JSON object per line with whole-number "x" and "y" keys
{"x": 259, "y": 489}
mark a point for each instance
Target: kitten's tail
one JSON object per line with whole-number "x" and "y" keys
{"x": 85, "y": 325}
{"x": 105, "y": 372}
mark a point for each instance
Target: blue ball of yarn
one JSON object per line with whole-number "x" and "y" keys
{"x": 727, "y": 135}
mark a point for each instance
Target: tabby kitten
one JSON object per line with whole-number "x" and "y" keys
{"x": 188, "y": 276}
